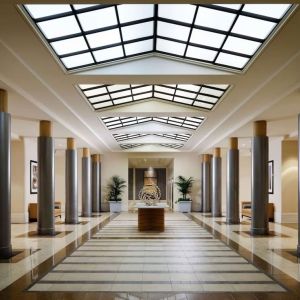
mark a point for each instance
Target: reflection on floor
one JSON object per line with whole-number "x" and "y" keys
{"x": 185, "y": 258}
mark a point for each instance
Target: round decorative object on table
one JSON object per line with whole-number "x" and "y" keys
{"x": 150, "y": 194}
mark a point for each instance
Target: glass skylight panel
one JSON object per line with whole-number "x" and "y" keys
{"x": 270, "y": 10}
{"x": 241, "y": 45}
{"x": 207, "y": 98}
{"x": 173, "y": 31}
{"x": 177, "y": 12}
{"x": 253, "y": 27}
{"x": 69, "y": 45}
{"x": 174, "y": 146}
{"x": 214, "y": 19}
{"x": 232, "y": 60}
{"x": 123, "y": 100}
{"x": 207, "y": 38}
{"x": 200, "y": 53}
{"x": 185, "y": 94}
{"x": 214, "y": 92}
{"x": 98, "y": 19}
{"x": 142, "y": 96}
{"x": 108, "y": 54}
{"x": 139, "y": 47}
{"x": 203, "y": 105}
{"x": 43, "y": 10}
{"x": 196, "y": 32}
{"x": 121, "y": 94}
{"x": 163, "y": 96}
{"x": 142, "y": 89}
{"x": 170, "y": 47}
{"x": 104, "y": 38}
{"x": 132, "y": 12}
{"x": 137, "y": 31}
{"x": 189, "y": 87}
{"x": 97, "y": 91}
{"x": 183, "y": 100}
{"x": 231, "y": 6}
{"x": 99, "y": 99}
{"x": 78, "y": 60}
{"x": 118, "y": 87}
{"x": 164, "y": 89}
{"x": 59, "y": 27}
{"x": 82, "y": 6}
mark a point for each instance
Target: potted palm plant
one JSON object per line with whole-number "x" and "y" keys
{"x": 184, "y": 186}
{"x": 115, "y": 189}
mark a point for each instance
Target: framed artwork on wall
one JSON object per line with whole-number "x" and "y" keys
{"x": 271, "y": 177}
{"x": 33, "y": 177}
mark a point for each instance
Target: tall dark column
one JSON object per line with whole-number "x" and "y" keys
{"x": 259, "y": 182}
{"x": 216, "y": 185}
{"x": 71, "y": 210}
{"x": 298, "y": 247}
{"x": 5, "y": 176}
{"x": 46, "y": 180}
{"x": 201, "y": 181}
{"x": 86, "y": 183}
{"x": 206, "y": 188}
{"x": 96, "y": 195}
{"x": 233, "y": 205}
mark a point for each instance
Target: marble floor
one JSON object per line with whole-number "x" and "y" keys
{"x": 197, "y": 257}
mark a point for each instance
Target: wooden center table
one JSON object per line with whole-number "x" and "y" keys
{"x": 151, "y": 217}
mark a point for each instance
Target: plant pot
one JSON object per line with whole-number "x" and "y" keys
{"x": 115, "y": 206}
{"x": 185, "y": 206}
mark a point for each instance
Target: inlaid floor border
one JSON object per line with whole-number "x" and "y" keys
{"x": 283, "y": 279}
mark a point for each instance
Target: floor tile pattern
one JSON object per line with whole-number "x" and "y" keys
{"x": 185, "y": 258}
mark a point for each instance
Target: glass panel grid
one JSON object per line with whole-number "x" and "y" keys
{"x": 205, "y": 33}
{"x": 175, "y": 136}
{"x": 200, "y": 96}
{"x": 130, "y": 146}
{"x": 184, "y": 122}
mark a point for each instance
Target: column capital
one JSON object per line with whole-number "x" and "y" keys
{"x": 95, "y": 157}
{"x": 45, "y": 128}
{"x": 260, "y": 128}
{"x": 3, "y": 101}
{"x": 233, "y": 143}
{"x": 71, "y": 143}
{"x": 206, "y": 157}
{"x": 217, "y": 152}
{"x": 85, "y": 152}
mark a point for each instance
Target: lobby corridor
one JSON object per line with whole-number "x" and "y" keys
{"x": 184, "y": 259}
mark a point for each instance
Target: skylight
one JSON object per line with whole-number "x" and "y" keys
{"x": 184, "y": 122}
{"x": 125, "y": 137}
{"x": 131, "y": 146}
{"x": 199, "y": 96}
{"x": 87, "y": 35}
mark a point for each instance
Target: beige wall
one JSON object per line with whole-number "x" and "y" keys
{"x": 289, "y": 177}
{"x": 60, "y": 177}
{"x": 17, "y": 182}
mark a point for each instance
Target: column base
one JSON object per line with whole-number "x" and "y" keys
{"x": 6, "y": 252}
{"x": 46, "y": 231}
{"x": 86, "y": 215}
{"x": 216, "y": 215}
{"x": 233, "y": 222}
{"x": 259, "y": 231}
{"x": 298, "y": 250}
{"x": 72, "y": 222}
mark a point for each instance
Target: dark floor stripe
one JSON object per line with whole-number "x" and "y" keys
{"x": 152, "y": 263}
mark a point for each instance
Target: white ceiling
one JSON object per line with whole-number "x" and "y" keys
{"x": 39, "y": 89}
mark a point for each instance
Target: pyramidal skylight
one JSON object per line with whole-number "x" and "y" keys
{"x": 198, "y": 96}
{"x": 221, "y": 34}
{"x": 184, "y": 122}
{"x": 131, "y": 146}
{"x": 183, "y": 137}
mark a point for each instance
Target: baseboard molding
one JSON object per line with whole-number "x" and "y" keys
{"x": 289, "y": 218}
{"x": 19, "y": 218}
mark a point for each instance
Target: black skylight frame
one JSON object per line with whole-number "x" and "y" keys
{"x": 131, "y": 146}
{"x": 104, "y": 96}
{"x": 183, "y": 137}
{"x": 156, "y": 38}
{"x": 189, "y": 123}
